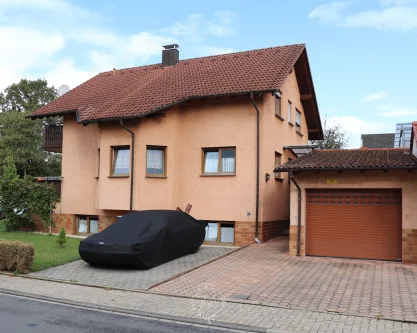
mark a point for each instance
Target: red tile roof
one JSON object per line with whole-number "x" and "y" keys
{"x": 377, "y": 158}
{"x": 134, "y": 92}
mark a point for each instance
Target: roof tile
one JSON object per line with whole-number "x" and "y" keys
{"x": 367, "y": 158}
{"x": 136, "y": 91}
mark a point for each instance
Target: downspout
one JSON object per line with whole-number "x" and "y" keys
{"x": 132, "y": 167}
{"x": 258, "y": 120}
{"x": 299, "y": 213}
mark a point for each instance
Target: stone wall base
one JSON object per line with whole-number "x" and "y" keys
{"x": 65, "y": 221}
{"x": 409, "y": 246}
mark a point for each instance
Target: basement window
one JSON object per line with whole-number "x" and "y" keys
{"x": 220, "y": 232}
{"x": 87, "y": 224}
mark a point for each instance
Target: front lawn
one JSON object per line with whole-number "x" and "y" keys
{"x": 47, "y": 251}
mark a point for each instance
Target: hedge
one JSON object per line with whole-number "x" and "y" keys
{"x": 16, "y": 256}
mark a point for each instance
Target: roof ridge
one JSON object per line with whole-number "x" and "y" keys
{"x": 207, "y": 57}
{"x": 359, "y": 149}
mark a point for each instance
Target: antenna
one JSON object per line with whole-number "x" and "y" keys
{"x": 63, "y": 89}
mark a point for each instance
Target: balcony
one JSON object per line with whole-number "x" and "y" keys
{"x": 52, "y": 138}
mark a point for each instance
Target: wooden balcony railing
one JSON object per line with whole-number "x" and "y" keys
{"x": 52, "y": 138}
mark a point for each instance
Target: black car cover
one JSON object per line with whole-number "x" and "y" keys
{"x": 144, "y": 239}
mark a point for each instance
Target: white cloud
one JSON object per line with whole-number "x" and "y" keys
{"x": 330, "y": 12}
{"x": 376, "y": 96}
{"x": 395, "y": 15}
{"x": 196, "y": 26}
{"x": 213, "y": 50}
{"x": 397, "y": 111}
{"x": 44, "y": 39}
{"x": 355, "y": 127}
{"x": 26, "y": 49}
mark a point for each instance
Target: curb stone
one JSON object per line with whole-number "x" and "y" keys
{"x": 151, "y": 315}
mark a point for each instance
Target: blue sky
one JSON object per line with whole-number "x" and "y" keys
{"x": 361, "y": 52}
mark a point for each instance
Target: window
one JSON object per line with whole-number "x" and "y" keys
{"x": 155, "y": 161}
{"x": 278, "y": 104}
{"x": 87, "y": 224}
{"x": 277, "y": 164}
{"x": 297, "y": 120}
{"x": 121, "y": 161}
{"x": 219, "y": 161}
{"x": 289, "y": 111}
{"x": 220, "y": 232}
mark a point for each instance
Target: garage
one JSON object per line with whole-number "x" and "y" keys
{"x": 354, "y": 223}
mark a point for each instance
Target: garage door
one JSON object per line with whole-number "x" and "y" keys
{"x": 354, "y": 224}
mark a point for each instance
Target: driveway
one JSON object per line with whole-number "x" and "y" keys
{"x": 81, "y": 272}
{"x": 266, "y": 273}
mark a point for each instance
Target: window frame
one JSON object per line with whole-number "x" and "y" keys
{"x": 289, "y": 112}
{"x": 219, "y": 168}
{"x": 297, "y": 124}
{"x": 277, "y": 175}
{"x": 88, "y": 217}
{"x": 114, "y": 149}
{"x": 218, "y": 238}
{"x": 164, "y": 173}
{"x": 98, "y": 163}
{"x": 278, "y": 105}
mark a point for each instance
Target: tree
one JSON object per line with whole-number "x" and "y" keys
{"x": 61, "y": 240}
{"x": 27, "y": 96}
{"x": 335, "y": 136}
{"x": 22, "y": 135}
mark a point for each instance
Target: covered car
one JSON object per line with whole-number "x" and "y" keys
{"x": 144, "y": 239}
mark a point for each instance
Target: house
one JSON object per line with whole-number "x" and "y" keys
{"x": 403, "y": 135}
{"x": 206, "y": 131}
{"x": 354, "y": 203}
{"x": 385, "y": 140}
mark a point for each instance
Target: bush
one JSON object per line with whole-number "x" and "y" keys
{"x": 61, "y": 240}
{"x": 16, "y": 256}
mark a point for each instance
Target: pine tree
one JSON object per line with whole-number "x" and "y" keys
{"x": 61, "y": 240}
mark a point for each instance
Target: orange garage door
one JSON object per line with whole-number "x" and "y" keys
{"x": 354, "y": 224}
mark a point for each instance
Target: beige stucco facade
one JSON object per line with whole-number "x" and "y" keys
{"x": 393, "y": 179}
{"x": 185, "y": 129}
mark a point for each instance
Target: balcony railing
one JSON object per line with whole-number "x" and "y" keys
{"x": 52, "y": 138}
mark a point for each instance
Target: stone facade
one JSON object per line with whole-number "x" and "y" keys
{"x": 65, "y": 221}
{"x": 410, "y": 246}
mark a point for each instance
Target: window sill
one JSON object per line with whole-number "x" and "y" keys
{"x": 290, "y": 123}
{"x": 299, "y": 133}
{"x": 121, "y": 176}
{"x": 279, "y": 117}
{"x": 151, "y": 176}
{"x": 219, "y": 175}
{"x": 279, "y": 179}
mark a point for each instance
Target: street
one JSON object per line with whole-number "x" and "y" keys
{"x": 21, "y": 315}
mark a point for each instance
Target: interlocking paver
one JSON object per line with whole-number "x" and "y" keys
{"x": 269, "y": 275}
{"x": 81, "y": 272}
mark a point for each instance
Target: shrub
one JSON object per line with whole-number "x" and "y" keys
{"x": 61, "y": 240}
{"x": 16, "y": 256}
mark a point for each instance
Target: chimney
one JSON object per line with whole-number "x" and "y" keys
{"x": 170, "y": 55}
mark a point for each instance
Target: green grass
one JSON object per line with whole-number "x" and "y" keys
{"x": 47, "y": 251}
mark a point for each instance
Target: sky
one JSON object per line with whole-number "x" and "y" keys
{"x": 362, "y": 52}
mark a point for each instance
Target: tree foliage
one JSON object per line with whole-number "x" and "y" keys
{"x": 20, "y": 198}
{"x": 23, "y": 136}
{"x": 335, "y": 136}
{"x": 61, "y": 240}
{"x": 27, "y": 96}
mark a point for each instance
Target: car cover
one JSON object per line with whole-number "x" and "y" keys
{"x": 144, "y": 239}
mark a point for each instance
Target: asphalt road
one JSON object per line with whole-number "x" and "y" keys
{"x": 24, "y": 315}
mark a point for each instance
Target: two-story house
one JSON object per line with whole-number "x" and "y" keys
{"x": 205, "y": 131}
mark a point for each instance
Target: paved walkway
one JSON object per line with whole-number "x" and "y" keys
{"x": 265, "y": 273}
{"x": 81, "y": 272}
{"x": 263, "y": 317}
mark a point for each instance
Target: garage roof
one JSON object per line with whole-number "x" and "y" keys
{"x": 353, "y": 159}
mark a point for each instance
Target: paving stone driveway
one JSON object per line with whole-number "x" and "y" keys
{"x": 267, "y": 274}
{"x": 81, "y": 272}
